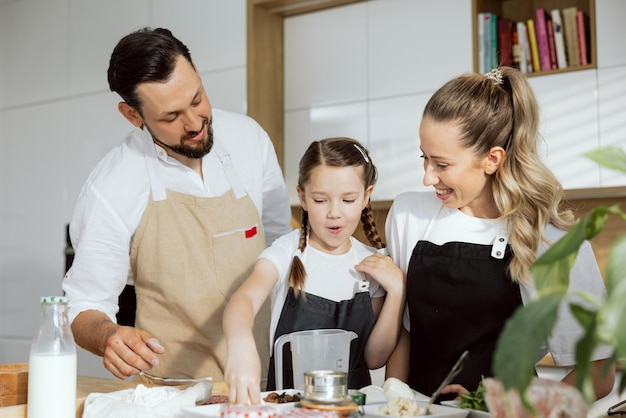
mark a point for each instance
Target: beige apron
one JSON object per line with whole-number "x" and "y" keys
{"x": 189, "y": 255}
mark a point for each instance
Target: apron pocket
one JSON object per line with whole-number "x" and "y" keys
{"x": 234, "y": 254}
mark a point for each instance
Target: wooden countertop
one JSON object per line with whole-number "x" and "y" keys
{"x": 86, "y": 385}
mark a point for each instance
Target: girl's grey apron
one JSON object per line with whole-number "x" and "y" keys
{"x": 189, "y": 254}
{"x": 459, "y": 297}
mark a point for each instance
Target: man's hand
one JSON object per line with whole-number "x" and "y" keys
{"x": 130, "y": 350}
{"x": 125, "y": 350}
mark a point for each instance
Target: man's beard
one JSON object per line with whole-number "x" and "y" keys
{"x": 197, "y": 150}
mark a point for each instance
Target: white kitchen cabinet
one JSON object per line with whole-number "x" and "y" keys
{"x": 569, "y": 125}
{"x": 394, "y": 144}
{"x": 310, "y": 124}
{"x": 415, "y": 46}
{"x": 326, "y": 57}
{"x": 612, "y": 117}
{"x": 610, "y": 33}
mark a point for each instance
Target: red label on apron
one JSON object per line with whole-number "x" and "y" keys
{"x": 251, "y": 232}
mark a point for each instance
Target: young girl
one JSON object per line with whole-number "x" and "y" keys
{"x": 321, "y": 268}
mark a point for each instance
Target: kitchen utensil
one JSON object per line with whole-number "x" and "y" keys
{"x": 326, "y": 386}
{"x": 327, "y": 390}
{"x": 319, "y": 349}
{"x": 458, "y": 366}
{"x": 148, "y": 380}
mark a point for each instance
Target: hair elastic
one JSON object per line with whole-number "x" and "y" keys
{"x": 495, "y": 75}
{"x": 367, "y": 160}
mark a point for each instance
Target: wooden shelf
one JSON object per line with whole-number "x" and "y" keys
{"x": 522, "y": 10}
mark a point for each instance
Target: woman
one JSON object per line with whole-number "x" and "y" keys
{"x": 467, "y": 249}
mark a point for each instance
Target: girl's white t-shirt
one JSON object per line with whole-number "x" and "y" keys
{"x": 328, "y": 275}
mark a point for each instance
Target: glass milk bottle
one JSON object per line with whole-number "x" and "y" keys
{"x": 52, "y": 364}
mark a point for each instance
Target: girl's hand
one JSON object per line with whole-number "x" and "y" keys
{"x": 243, "y": 373}
{"x": 384, "y": 271}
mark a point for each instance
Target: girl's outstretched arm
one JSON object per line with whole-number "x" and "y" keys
{"x": 243, "y": 366}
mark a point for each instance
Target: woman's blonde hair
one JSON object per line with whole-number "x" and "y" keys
{"x": 499, "y": 109}
{"x": 334, "y": 152}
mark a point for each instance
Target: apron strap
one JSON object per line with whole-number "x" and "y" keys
{"x": 431, "y": 223}
{"x": 156, "y": 181}
{"x": 152, "y": 164}
{"x": 362, "y": 284}
{"x": 229, "y": 170}
{"x": 498, "y": 247}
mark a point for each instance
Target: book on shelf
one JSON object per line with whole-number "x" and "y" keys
{"x": 551, "y": 44}
{"x": 541, "y": 35}
{"x": 515, "y": 59}
{"x": 494, "y": 42}
{"x": 570, "y": 30}
{"x": 487, "y": 20}
{"x": 582, "y": 21}
{"x": 525, "y": 60}
{"x": 559, "y": 39}
{"x": 505, "y": 42}
{"x": 480, "y": 26}
{"x": 532, "y": 41}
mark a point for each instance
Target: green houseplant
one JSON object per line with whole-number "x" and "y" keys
{"x": 604, "y": 321}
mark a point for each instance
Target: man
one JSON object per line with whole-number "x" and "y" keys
{"x": 180, "y": 209}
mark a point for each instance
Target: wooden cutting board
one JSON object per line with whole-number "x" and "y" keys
{"x": 86, "y": 385}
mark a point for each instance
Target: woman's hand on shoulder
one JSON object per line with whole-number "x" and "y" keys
{"x": 384, "y": 271}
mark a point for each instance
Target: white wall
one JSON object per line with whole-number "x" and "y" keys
{"x": 366, "y": 71}
{"x": 58, "y": 118}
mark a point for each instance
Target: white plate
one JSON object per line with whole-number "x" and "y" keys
{"x": 439, "y": 411}
{"x": 473, "y": 413}
{"x": 215, "y": 410}
{"x": 376, "y": 394}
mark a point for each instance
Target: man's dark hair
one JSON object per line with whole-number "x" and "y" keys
{"x": 144, "y": 55}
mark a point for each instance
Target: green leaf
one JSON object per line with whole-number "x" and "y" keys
{"x": 613, "y": 317}
{"x": 613, "y": 312}
{"x": 584, "y": 349}
{"x": 585, "y": 317}
{"x": 609, "y": 157}
{"x": 555, "y": 273}
{"x": 615, "y": 269}
{"x": 553, "y": 267}
{"x": 523, "y": 334}
{"x": 585, "y": 229}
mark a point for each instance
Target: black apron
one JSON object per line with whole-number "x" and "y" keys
{"x": 315, "y": 312}
{"x": 459, "y": 298}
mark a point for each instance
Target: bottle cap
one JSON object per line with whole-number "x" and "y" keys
{"x": 53, "y": 299}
